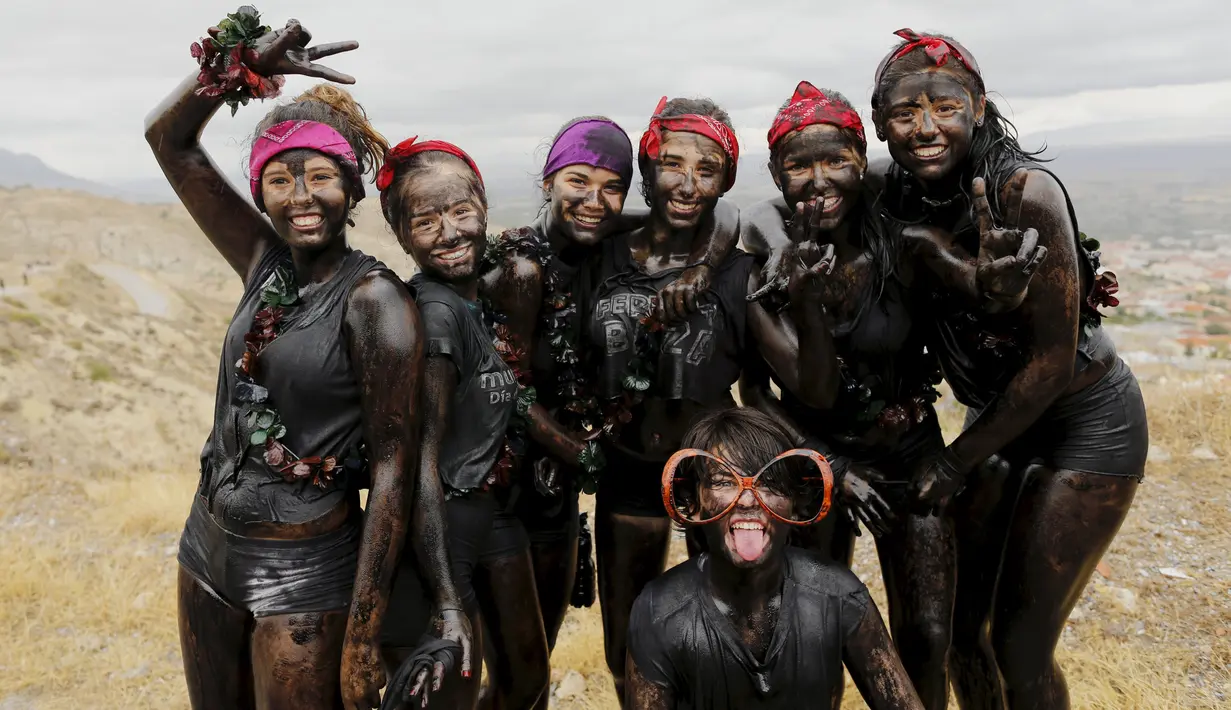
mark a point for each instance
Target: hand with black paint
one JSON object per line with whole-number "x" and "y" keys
{"x": 1008, "y": 256}
{"x": 863, "y": 504}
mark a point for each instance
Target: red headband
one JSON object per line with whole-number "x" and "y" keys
{"x": 938, "y": 49}
{"x": 402, "y": 151}
{"x": 706, "y": 126}
{"x": 810, "y": 106}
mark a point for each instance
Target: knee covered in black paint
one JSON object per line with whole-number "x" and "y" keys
{"x": 1022, "y": 659}
{"x": 926, "y": 641}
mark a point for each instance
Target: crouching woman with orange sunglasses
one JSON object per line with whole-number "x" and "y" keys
{"x": 754, "y": 623}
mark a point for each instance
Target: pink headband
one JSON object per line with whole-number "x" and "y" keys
{"x": 290, "y": 135}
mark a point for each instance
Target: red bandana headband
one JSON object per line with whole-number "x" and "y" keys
{"x": 706, "y": 126}
{"x": 401, "y": 152}
{"x": 938, "y": 49}
{"x": 810, "y": 106}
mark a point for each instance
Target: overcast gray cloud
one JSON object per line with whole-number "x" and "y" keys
{"x": 500, "y": 77}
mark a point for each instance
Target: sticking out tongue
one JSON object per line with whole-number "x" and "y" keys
{"x": 749, "y": 544}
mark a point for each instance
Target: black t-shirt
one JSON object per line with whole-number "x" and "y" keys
{"x": 700, "y": 358}
{"x": 681, "y": 641}
{"x": 486, "y": 392}
{"x": 307, "y": 371}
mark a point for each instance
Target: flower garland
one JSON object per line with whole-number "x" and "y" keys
{"x": 859, "y": 396}
{"x": 262, "y": 420}
{"x": 224, "y": 61}
{"x": 580, "y": 410}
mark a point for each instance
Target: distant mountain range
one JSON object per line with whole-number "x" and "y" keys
{"x": 24, "y": 170}
{"x": 1119, "y": 189}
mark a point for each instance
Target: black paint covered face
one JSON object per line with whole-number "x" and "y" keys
{"x": 748, "y": 536}
{"x": 928, "y": 118}
{"x": 688, "y": 178}
{"x": 446, "y": 223}
{"x": 305, "y": 196}
{"x": 820, "y": 163}
{"x": 585, "y": 200}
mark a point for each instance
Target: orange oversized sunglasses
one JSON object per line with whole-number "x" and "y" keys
{"x": 687, "y": 512}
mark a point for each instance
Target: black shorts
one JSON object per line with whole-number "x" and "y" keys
{"x": 1101, "y": 429}
{"x": 481, "y": 530}
{"x": 271, "y": 577}
{"x": 631, "y": 486}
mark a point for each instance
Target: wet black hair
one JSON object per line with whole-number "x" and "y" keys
{"x": 394, "y": 208}
{"x": 336, "y": 108}
{"x": 678, "y": 107}
{"x": 995, "y": 152}
{"x": 748, "y": 439}
{"x": 878, "y": 239}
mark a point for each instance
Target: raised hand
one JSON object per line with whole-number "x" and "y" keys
{"x": 286, "y": 51}
{"x": 1007, "y": 256}
{"x": 812, "y": 262}
{"x": 783, "y": 264}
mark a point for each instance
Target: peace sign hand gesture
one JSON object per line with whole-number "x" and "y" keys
{"x": 785, "y": 271}
{"x": 812, "y": 262}
{"x": 286, "y": 51}
{"x": 1008, "y": 256}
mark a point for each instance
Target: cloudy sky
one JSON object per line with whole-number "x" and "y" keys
{"x": 499, "y": 77}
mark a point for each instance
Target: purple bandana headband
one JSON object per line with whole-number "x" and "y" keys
{"x": 290, "y": 135}
{"x": 596, "y": 142}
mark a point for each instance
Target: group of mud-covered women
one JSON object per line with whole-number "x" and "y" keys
{"x": 476, "y": 401}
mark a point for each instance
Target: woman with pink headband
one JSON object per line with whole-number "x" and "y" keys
{"x": 284, "y": 580}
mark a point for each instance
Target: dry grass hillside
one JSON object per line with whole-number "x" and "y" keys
{"x": 103, "y": 409}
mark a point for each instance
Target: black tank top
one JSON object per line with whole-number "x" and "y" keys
{"x": 884, "y": 365}
{"x": 979, "y": 353}
{"x": 311, "y": 384}
{"x": 699, "y": 359}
